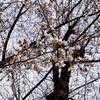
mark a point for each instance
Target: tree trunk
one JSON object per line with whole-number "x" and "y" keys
{"x": 61, "y": 84}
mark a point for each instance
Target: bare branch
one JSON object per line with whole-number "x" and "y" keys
{"x": 37, "y": 85}
{"x": 87, "y": 28}
{"x": 10, "y": 31}
{"x": 85, "y": 84}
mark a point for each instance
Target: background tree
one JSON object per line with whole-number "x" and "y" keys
{"x": 49, "y": 49}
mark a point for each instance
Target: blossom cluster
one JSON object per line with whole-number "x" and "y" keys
{"x": 58, "y": 51}
{"x": 55, "y": 40}
{"x": 59, "y": 55}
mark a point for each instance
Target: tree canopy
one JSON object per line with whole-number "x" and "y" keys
{"x": 49, "y": 49}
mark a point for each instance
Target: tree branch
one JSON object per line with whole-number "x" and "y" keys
{"x": 9, "y": 33}
{"x": 68, "y": 21}
{"x": 86, "y": 28}
{"x": 91, "y": 61}
{"x": 37, "y": 85}
{"x": 84, "y": 84}
{"x": 73, "y": 8}
{"x": 70, "y": 30}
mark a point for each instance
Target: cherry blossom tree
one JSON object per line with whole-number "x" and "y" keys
{"x": 49, "y": 49}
